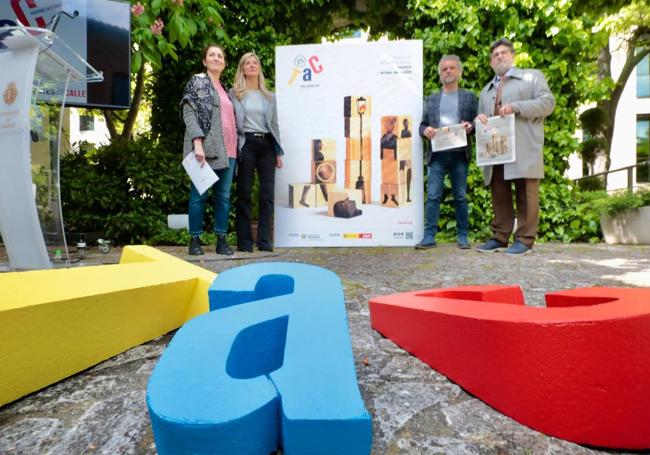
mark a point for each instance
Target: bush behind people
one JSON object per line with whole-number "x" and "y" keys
{"x": 125, "y": 190}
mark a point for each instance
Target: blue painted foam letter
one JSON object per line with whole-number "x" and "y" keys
{"x": 273, "y": 367}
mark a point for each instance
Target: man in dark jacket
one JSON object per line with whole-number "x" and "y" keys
{"x": 450, "y": 106}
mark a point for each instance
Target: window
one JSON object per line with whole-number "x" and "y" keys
{"x": 643, "y": 148}
{"x": 86, "y": 122}
{"x": 643, "y": 78}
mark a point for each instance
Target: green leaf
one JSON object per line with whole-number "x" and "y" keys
{"x": 136, "y": 62}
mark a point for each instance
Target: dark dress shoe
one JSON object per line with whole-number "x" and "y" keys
{"x": 518, "y": 249}
{"x": 195, "y": 246}
{"x": 265, "y": 248}
{"x": 425, "y": 244}
{"x": 491, "y": 246}
{"x": 245, "y": 249}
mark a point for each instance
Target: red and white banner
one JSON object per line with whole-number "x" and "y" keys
{"x": 71, "y": 28}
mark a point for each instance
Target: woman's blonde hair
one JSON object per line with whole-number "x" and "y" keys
{"x": 240, "y": 80}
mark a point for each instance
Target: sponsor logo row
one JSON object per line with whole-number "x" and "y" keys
{"x": 348, "y": 235}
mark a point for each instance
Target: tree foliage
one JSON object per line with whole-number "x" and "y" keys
{"x": 159, "y": 29}
{"x": 594, "y": 123}
{"x": 547, "y": 35}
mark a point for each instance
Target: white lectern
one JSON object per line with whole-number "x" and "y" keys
{"x": 36, "y": 68}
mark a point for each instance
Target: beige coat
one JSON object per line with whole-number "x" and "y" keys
{"x": 531, "y": 99}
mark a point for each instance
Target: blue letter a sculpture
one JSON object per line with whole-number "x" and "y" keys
{"x": 273, "y": 367}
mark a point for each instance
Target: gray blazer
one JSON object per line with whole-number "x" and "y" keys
{"x": 532, "y": 101}
{"x": 467, "y": 105}
{"x": 271, "y": 116}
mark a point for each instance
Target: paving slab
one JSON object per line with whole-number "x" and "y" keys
{"x": 414, "y": 409}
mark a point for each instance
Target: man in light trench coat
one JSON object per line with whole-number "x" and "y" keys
{"x": 525, "y": 93}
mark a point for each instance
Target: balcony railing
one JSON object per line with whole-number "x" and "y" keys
{"x": 629, "y": 169}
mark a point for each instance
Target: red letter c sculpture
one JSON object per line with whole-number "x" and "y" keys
{"x": 578, "y": 369}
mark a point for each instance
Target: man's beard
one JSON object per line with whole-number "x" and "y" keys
{"x": 502, "y": 68}
{"x": 448, "y": 80}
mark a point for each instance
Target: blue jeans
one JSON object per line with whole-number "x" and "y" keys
{"x": 221, "y": 199}
{"x": 456, "y": 165}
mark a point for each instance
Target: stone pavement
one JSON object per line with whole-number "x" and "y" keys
{"x": 414, "y": 409}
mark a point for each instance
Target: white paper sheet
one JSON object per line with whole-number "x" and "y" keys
{"x": 495, "y": 141}
{"x": 203, "y": 177}
{"x": 449, "y": 137}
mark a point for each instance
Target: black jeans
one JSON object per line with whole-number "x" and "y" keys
{"x": 258, "y": 154}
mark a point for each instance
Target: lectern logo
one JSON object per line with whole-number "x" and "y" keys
{"x": 10, "y": 93}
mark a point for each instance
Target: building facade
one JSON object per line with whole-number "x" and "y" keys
{"x": 631, "y": 141}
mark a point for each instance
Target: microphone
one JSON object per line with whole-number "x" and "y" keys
{"x": 54, "y": 22}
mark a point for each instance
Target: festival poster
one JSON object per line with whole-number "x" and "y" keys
{"x": 349, "y": 115}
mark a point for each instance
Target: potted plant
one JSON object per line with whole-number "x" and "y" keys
{"x": 625, "y": 217}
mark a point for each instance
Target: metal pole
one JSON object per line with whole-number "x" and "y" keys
{"x": 360, "y": 185}
{"x": 630, "y": 175}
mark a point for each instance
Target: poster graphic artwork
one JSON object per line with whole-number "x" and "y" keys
{"x": 352, "y": 173}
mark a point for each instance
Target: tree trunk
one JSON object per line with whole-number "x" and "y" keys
{"x": 129, "y": 122}
{"x": 604, "y": 71}
{"x": 131, "y": 117}
{"x": 110, "y": 123}
{"x": 634, "y": 55}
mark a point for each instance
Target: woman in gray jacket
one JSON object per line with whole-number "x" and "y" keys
{"x": 210, "y": 133}
{"x": 259, "y": 150}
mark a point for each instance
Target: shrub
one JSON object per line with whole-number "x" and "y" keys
{"x": 622, "y": 201}
{"x": 592, "y": 183}
{"x": 123, "y": 190}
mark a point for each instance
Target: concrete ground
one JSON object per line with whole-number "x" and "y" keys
{"x": 414, "y": 409}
